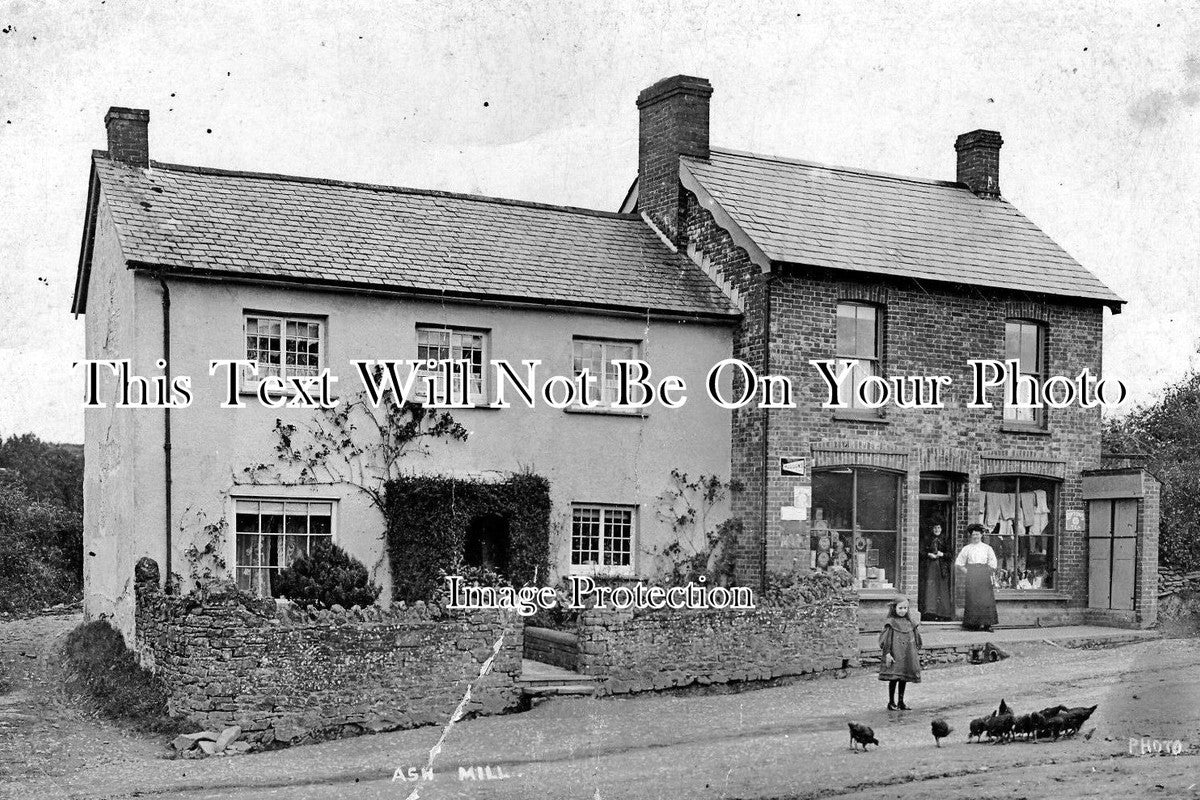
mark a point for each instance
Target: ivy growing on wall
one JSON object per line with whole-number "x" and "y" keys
{"x": 428, "y": 517}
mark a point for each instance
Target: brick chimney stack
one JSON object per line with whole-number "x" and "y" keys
{"x": 979, "y": 161}
{"x": 128, "y": 136}
{"x": 673, "y": 122}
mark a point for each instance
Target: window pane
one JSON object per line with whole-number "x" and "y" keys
{"x": 866, "y": 345}
{"x": 618, "y": 537}
{"x": 878, "y": 493}
{"x": 847, "y": 330}
{"x": 585, "y": 535}
{"x": 855, "y": 525}
{"x": 833, "y": 499}
{"x": 1019, "y": 514}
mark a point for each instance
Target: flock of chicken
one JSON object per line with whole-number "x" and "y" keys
{"x": 1002, "y": 725}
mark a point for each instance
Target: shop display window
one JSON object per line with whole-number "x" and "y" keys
{"x": 854, "y": 525}
{"x": 1018, "y": 512}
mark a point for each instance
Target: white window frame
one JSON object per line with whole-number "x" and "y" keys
{"x": 604, "y": 541}
{"x": 479, "y": 397}
{"x": 606, "y": 380}
{"x": 234, "y": 500}
{"x": 249, "y": 379}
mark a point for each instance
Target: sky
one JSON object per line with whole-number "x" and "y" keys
{"x": 1098, "y": 104}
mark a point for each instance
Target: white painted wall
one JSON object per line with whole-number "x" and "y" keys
{"x": 586, "y": 457}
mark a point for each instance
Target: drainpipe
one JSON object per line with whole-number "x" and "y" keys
{"x": 166, "y": 348}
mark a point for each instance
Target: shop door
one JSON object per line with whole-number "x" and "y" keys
{"x": 1112, "y": 553}
{"x": 935, "y": 578}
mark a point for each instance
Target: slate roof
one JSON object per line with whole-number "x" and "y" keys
{"x": 271, "y": 226}
{"x": 811, "y": 214}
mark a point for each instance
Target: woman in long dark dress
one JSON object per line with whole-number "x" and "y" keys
{"x": 935, "y": 594}
{"x": 977, "y": 561}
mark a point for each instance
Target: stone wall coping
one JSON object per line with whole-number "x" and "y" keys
{"x": 278, "y": 611}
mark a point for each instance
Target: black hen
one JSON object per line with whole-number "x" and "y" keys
{"x": 1000, "y": 727}
{"x": 861, "y": 734}
{"x": 940, "y": 731}
{"x": 979, "y": 726}
{"x": 1075, "y": 717}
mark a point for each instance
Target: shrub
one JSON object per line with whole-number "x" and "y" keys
{"x": 428, "y": 517}
{"x": 808, "y": 586}
{"x": 327, "y": 576}
{"x": 102, "y": 669}
{"x": 40, "y": 547}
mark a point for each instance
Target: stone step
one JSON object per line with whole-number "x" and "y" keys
{"x": 555, "y": 690}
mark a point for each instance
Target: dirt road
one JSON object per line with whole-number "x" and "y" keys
{"x": 787, "y": 742}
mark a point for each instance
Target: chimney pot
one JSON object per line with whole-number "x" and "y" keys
{"x": 979, "y": 161}
{"x": 128, "y": 135}
{"x": 673, "y": 122}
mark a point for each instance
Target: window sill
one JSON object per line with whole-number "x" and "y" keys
{"x": 605, "y": 411}
{"x": 1032, "y": 594}
{"x": 859, "y": 416}
{"x": 877, "y": 594}
{"x": 1033, "y": 430}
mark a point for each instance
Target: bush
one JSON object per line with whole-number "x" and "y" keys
{"x": 40, "y": 548}
{"x": 327, "y": 576}
{"x": 103, "y": 669}
{"x": 429, "y": 515}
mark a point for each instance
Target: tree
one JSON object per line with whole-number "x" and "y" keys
{"x": 1168, "y": 432}
{"x": 40, "y": 546}
{"x": 49, "y": 472}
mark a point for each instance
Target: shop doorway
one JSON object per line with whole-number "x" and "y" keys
{"x": 936, "y": 537}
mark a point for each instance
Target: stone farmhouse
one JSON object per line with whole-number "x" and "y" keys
{"x": 715, "y": 253}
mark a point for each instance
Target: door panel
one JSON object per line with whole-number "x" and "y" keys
{"x": 1099, "y": 553}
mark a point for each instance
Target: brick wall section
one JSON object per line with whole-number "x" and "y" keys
{"x": 673, "y": 122}
{"x": 1146, "y": 600}
{"x": 647, "y": 650}
{"x": 292, "y": 676}
{"x": 128, "y": 135}
{"x": 929, "y": 329}
{"x": 747, "y": 424}
{"x": 979, "y": 161}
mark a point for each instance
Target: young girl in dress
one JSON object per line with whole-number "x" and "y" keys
{"x": 900, "y": 642}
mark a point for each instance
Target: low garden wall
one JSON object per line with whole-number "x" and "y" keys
{"x": 809, "y": 630}
{"x": 552, "y": 647}
{"x": 287, "y": 675}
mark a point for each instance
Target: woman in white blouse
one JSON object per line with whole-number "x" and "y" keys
{"x": 977, "y": 561}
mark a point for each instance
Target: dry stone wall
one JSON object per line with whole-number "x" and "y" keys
{"x": 288, "y": 675}
{"x": 635, "y": 651}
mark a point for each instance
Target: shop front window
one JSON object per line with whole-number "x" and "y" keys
{"x": 1018, "y": 512}
{"x": 855, "y": 525}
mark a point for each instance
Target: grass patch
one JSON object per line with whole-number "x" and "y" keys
{"x": 106, "y": 672}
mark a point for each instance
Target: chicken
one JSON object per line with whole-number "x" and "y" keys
{"x": 1000, "y": 727}
{"x": 861, "y": 734}
{"x": 940, "y": 731}
{"x": 979, "y": 726}
{"x": 1075, "y": 717}
{"x": 1051, "y": 711}
{"x": 1026, "y": 724}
